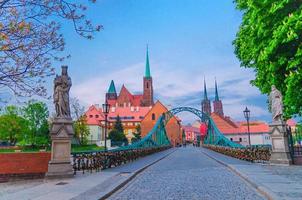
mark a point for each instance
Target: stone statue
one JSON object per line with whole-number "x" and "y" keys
{"x": 62, "y": 85}
{"x": 275, "y": 99}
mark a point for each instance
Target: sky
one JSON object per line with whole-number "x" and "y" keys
{"x": 189, "y": 40}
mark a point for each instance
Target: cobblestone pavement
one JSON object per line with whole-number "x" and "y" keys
{"x": 187, "y": 174}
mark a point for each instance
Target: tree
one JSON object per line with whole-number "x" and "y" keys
{"x": 118, "y": 125}
{"x": 81, "y": 129}
{"x": 12, "y": 126}
{"x": 80, "y": 125}
{"x": 36, "y": 113}
{"x": 117, "y": 133}
{"x": 77, "y": 110}
{"x": 269, "y": 41}
{"x": 30, "y": 40}
{"x": 137, "y": 134}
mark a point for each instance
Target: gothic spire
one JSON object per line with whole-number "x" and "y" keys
{"x": 147, "y": 71}
{"x": 205, "y": 94}
{"x": 216, "y": 92}
{"x": 112, "y": 88}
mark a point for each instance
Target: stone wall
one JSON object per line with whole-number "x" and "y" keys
{"x": 23, "y": 165}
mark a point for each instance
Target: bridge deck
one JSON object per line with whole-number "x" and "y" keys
{"x": 187, "y": 174}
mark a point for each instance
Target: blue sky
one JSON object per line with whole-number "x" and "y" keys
{"x": 188, "y": 40}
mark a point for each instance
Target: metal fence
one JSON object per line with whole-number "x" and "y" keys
{"x": 90, "y": 161}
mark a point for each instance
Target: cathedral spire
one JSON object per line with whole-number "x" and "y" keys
{"x": 205, "y": 94}
{"x": 218, "y": 107}
{"x": 205, "y": 103}
{"x": 216, "y": 92}
{"x": 147, "y": 71}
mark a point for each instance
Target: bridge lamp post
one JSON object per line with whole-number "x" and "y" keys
{"x": 247, "y": 113}
{"x": 106, "y": 108}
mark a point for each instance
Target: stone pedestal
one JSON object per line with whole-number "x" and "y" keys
{"x": 280, "y": 148}
{"x": 61, "y": 134}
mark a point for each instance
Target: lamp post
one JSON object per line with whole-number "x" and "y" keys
{"x": 246, "y": 113}
{"x": 106, "y": 108}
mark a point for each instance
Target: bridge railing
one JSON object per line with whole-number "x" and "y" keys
{"x": 156, "y": 140}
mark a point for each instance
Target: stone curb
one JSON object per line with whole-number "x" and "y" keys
{"x": 261, "y": 189}
{"x": 132, "y": 176}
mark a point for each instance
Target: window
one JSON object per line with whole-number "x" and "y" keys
{"x": 240, "y": 139}
{"x": 153, "y": 116}
{"x": 90, "y": 116}
{"x": 231, "y": 139}
{"x": 147, "y": 85}
{"x": 96, "y": 116}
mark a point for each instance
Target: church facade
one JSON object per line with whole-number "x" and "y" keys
{"x": 126, "y": 99}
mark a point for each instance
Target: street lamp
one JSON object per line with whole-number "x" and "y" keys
{"x": 246, "y": 113}
{"x": 106, "y": 108}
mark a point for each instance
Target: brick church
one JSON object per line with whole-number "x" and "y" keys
{"x": 235, "y": 131}
{"x": 126, "y": 99}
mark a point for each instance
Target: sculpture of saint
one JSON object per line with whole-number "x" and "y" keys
{"x": 62, "y": 85}
{"x": 275, "y": 99}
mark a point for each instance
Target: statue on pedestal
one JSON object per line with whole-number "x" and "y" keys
{"x": 280, "y": 153}
{"x": 275, "y": 99}
{"x": 61, "y": 130}
{"x": 62, "y": 85}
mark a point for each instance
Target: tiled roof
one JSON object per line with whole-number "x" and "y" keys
{"x": 131, "y": 114}
{"x": 128, "y": 114}
{"x": 228, "y": 126}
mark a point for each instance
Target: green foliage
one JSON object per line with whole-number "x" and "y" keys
{"x": 117, "y": 133}
{"x": 81, "y": 130}
{"x": 25, "y": 126}
{"x": 12, "y": 126}
{"x": 137, "y": 134}
{"x": 117, "y": 136}
{"x": 118, "y": 125}
{"x": 297, "y": 136}
{"x": 36, "y": 113}
{"x": 269, "y": 41}
{"x": 79, "y": 148}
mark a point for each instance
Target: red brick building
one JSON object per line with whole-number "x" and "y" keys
{"x": 126, "y": 99}
{"x": 129, "y": 107}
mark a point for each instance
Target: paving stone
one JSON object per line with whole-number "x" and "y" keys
{"x": 187, "y": 174}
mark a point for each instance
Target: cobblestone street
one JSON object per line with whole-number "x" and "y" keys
{"x": 187, "y": 174}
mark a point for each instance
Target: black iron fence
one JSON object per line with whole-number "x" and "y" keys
{"x": 99, "y": 160}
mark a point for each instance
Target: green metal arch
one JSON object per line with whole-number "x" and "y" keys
{"x": 158, "y": 135}
{"x": 214, "y": 136}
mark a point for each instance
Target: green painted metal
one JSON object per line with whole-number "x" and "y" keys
{"x": 158, "y": 135}
{"x": 147, "y": 72}
{"x": 111, "y": 89}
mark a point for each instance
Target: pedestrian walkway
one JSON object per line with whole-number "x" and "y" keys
{"x": 187, "y": 174}
{"x": 278, "y": 182}
{"x": 82, "y": 186}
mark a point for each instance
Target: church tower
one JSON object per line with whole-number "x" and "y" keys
{"x": 111, "y": 94}
{"x": 206, "y": 104}
{"x": 148, "y": 85}
{"x": 218, "y": 109}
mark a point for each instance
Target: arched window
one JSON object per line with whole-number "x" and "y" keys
{"x": 240, "y": 139}
{"x": 153, "y": 116}
{"x": 231, "y": 139}
{"x": 147, "y": 85}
